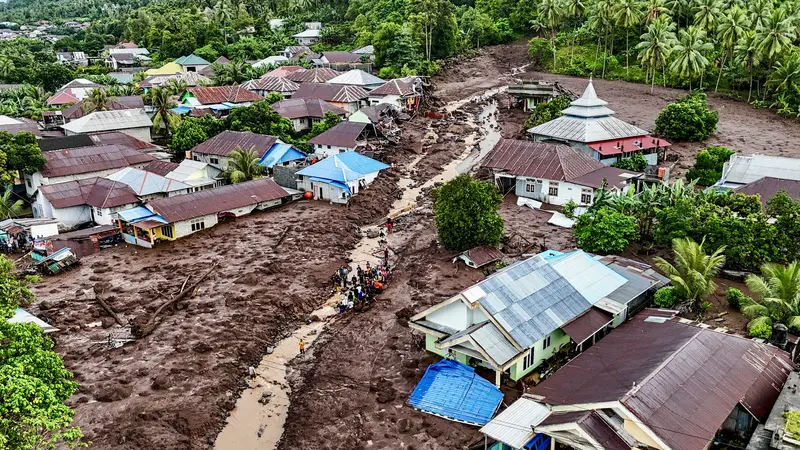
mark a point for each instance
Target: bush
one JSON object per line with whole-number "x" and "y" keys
{"x": 736, "y": 299}
{"x": 636, "y": 163}
{"x": 666, "y": 297}
{"x": 605, "y": 231}
{"x": 466, "y": 213}
{"x": 568, "y": 209}
{"x": 707, "y": 168}
{"x": 540, "y": 51}
{"x": 546, "y": 112}
{"x": 688, "y": 119}
{"x": 761, "y": 330}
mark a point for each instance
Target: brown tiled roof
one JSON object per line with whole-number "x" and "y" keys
{"x": 313, "y": 75}
{"x": 114, "y": 103}
{"x": 62, "y": 142}
{"x": 341, "y": 57}
{"x": 161, "y": 167}
{"x": 213, "y": 201}
{"x": 540, "y": 160}
{"x": 395, "y": 87}
{"x": 335, "y": 93}
{"x": 767, "y": 187}
{"x": 680, "y": 380}
{"x": 271, "y": 84}
{"x": 610, "y": 174}
{"x": 283, "y": 71}
{"x": 121, "y": 139}
{"x": 344, "y": 134}
{"x": 483, "y": 255}
{"x": 97, "y": 192}
{"x": 296, "y": 108}
{"x": 587, "y": 324}
{"x": 91, "y": 159}
{"x": 227, "y": 141}
{"x": 223, "y": 94}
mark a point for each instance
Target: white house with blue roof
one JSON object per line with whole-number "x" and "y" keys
{"x": 281, "y": 155}
{"x": 520, "y": 316}
{"x": 339, "y": 177}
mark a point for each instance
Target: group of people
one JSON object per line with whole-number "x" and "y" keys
{"x": 360, "y": 288}
{"x": 16, "y": 243}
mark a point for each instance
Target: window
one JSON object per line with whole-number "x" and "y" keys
{"x": 329, "y": 147}
{"x": 586, "y": 198}
{"x": 553, "y": 190}
{"x": 166, "y": 230}
{"x": 198, "y": 224}
{"x": 528, "y": 361}
{"x": 546, "y": 343}
{"x": 214, "y": 160}
{"x": 98, "y": 212}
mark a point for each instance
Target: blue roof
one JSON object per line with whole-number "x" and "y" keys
{"x": 454, "y": 391}
{"x": 138, "y": 214}
{"x": 191, "y": 60}
{"x": 181, "y": 109}
{"x": 343, "y": 167}
{"x": 337, "y": 184}
{"x": 279, "y": 154}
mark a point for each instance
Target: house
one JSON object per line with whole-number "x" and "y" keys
{"x": 33, "y": 228}
{"x": 126, "y": 140}
{"x": 338, "y": 60}
{"x": 313, "y": 75}
{"x": 122, "y": 77}
{"x": 209, "y": 71}
{"x": 479, "y": 256}
{"x": 147, "y": 185}
{"x": 16, "y": 124}
{"x": 590, "y": 127}
{"x": 161, "y": 167}
{"x": 83, "y": 162}
{"x": 191, "y": 79}
{"x": 375, "y": 114}
{"x": 74, "y": 58}
{"x": 127, "y": 46}
{"x": 270, "y": 61}
{"x": 530, "y": 93}
{"x": 172, "y": 218}
{"x": 219, "y": 98}
{"x": 84, "y": 242}
{"x": 133, "y": 122}
{"x": 170, "y": 68}
{"x": 307, "y": 37}
{"x": 339, "y": 177}
{"x": 520, "y": 316}
{"x": 275, "y": 23}
{"x": 343, "y": 137}
{"x": 774, "y": 433}
{"x": 282, "y": 71}
{"x": 118, "y": 61}
{"x": 62, "y": 98}
{"x": 78, "y": 110}
{"x": 740, "y": 170}
{"x": 22, "y": 316}
{"x": 767, "y": 187}
{"x": 358, "y": 77}
{"x": 283, "y": 155}
{"x": 656, "y": 382}
{"x": 293, "y": 51}
{"x": 552, "y": 173}
{"x": 406, "y": 93}
{"x": 198, "y": 175}
{"x": 192, "y": 63}
{"x": 368, "y": 50}
{"x": 349, "y": 98}
{"x": 264, "y": 85}
{"x": 305, "y": 112}
{"x": 82, "y": 201}
{"x": 216, "y": 151}
{"x": 79, "y": 88}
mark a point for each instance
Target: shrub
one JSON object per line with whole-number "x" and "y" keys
{"x": 688, "y": 119}
{"x": 546, "y": 112}
{"x": 568, "y": 209}
{"x": 707, "y": 168}
{"x": 636, "y": 163}
{"x": 466, "y": 213}
{"x": 540, "y": 51}
{"x": 605, "y": 231}
{"x": 761, "y": 330}
{"x": 736, "y": 299}
{"x": 666, "y": 297}
{"x": 704, "y": 307}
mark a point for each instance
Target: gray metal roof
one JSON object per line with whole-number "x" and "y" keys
{"x": 109, "y": 120}
{"x": 514, "y": 426}
{"x": 492, "y": 341}
{"x": 579, "y": 129}
{"x": 744, "y": 169}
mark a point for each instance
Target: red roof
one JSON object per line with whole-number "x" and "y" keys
{"x": 271, "y": 84}
{"x": 213, "y": 201}
{"x": 343, "y": 134}
{"x": 62, "y": 98}
{"x": 627, "y": 145}
{"x": 227, "y": 141}
{"x": 395, "y": 87}
{"x": 540, "y": 160}
{"x": 114, "y": 103}
{"x": 96, "y": 192}
{"x": 587, "y": 324}
{"x": 313, "y": 75}
{"x": 282, "y": 71}
{"x": 161, "y": 167}
{"x": 614, "y": 178}
{"x": 126, "y": 45}
{"x": 341, "y": 57}
{"x": 121, "y": 139}
{"x": 335, "y": 93}
{"x": 481, "y": 256}
{"x": 81, "y": 160}
{"x": 767, "y": 187}
{"x": 592, "y": 424}
{"x": 680, "y": 380}
{"x": 223, "y": 94}
{"x": 296, "y": 108}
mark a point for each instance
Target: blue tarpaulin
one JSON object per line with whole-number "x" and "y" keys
{"x": 279, "y": 154}
{"x": 181, "y": 109}
{"x": 454, "y": 391}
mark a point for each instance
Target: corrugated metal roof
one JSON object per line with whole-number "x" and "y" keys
{"x": 344, "y": 134}
{"x": 627, "y": 145}
{"x": 307, "y": 33}
{"x": 343, "y": 167}
{"x": 767, "y": 187}
{"x": 191, "y": 60}
{"x": 578, "y": 129}
{"x": 146, "y": 183}
{"x": 283, "y": 71}
{"x": 514, "y": 425}
{"x": 483, "y": 255}
{"x": 63, "y": 142}
{"x": 121, "y": 139}
{"x": 454, "y": 391}
{"x": 398, "y": 86}
{"x": 357, "y": 77}
{"x": 296, "y": 108}
{"x": 62, "y": 98}
{"x": 91, "y": 159}
{"x": 335, "y": 93}
{"x": 161, "y": 167}
{"x": 365, "y": 50}
{"x": 227, "y": 141}
{"x": 114, "y": 103}
{"x": 213, "y": 201}
{"x": 271, "y": 84}
{"x": 109, "y": 121}
{"x": 615, "y": 178}
{"x": 494, "y": 344}
{"x": 97, "y": 192}
{"x": 540, "y": 160}
{"x": 745, "y": 169}
{"x": 322, "y": 75}
{"x": 589, "y": 276}
{"x": 587, "y": 324}
{"x": 281, "y": 153}
{"x": 340, "y": 57}
{"x": 680, "y": 380}
{"x": 223, "y": 94}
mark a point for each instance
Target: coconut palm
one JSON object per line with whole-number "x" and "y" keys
{"x": 176, "y": 86}
{"x": 680, "y": 8}
{"x": 655, "y": 47}
{"x": 97, "y": 100}
{"x": 10, "y": 208}
{"x": 730, "y": 30}
{"x": 749, "y": 56}
{"x": 628, "y": 14}
{"x": 707, "y": 12}
{"x": 654, "y": 10}
{"x": 775, "y": 34}
{"x": 757, "y": 10}
{"x": 224, "y": 15}
{"x": 234, "y": 72}
{"x": 690, "y": 60}
{"x": 784, "y": 74}
{"x": 6, "y": 68}
{"x": 600, "y": 19}
{"x": 779, "y": 292}
{"x": 551, "y": 13}
{"x": 243, "y": 165}
{"x": 693, "y": 271}
{"x": 164, "y": 116}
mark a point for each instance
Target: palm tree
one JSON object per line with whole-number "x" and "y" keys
{"x": 6, "y": 68}
{"x": 164, "y": 116}
{"x": 243, "y": 165}
{"x": 9, "y": 208}
{"x": 689, "y": 50}
{"x": 784, "y": 73}
{"x": 224, "y": 15}
{"x": 749, "y": 56}
{"x": 551, "y": 13}
{"x": 732, "y": 26}
{"x": 176, "y": 86}
{"x": 628, "y": 14}
{"x": 234, "y": 72}
{"x": 693, "y": 271}
{"x": 779, "y": 289}
{"x": 654, "y": 10}
{"x": 97, "y": 100}
{"x": 757, "y": 10}
{"x": 707, "y": 13}
{"x": 775, "y": 34}
{"x": 600, "y": 17}
{"x": 680, "y": 8}
{"x": 655, "y": 47}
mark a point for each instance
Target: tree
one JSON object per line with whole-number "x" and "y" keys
{"x": 164, "y": 116}
{"x": 9, "y": 207}
{"x": 6, "y": 68}
{"x": 636, "y": 163}
{"x": 693, "y": 271}
{"x": 551, "y": 13}
{"x": 628, "y": 14}
{"x": 656, "y": 46}
{"x": 689, "y": 60}
{"x": 707, "y": 13}
{"x": 190, "y": 132}
{"x": 22, "y": 152}
{"x": 708, "y": 165}
{"x": 605, "y": 230}
{"x": 749, "y": 55}
{"x": 231, "y": 73}
{"x": 688, "y": 119}
{"x": 329, "y": 120}
{"x": 775, "y": 34}
{"x": 466, "y": 213}
{"x": 33, "y": 381}
{"x": 732, "y": 27}
{"x": 97, "y": 100}
{"x": 243, "y": 165}
{"x": 779, "y": 290}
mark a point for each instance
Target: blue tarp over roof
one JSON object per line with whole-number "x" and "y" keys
{"x": 343, "y": 167}
{"x": 138, "y": 214}
{"x": 454, "y": 391}
{"x": 337, "y": 184}
{"x": 181, "y": 109}
{"x": 279, "y": 154}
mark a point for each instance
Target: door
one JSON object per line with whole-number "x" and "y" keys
{"x": 320, "y": 192}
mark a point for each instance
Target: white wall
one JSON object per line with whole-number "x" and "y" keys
{"x": 109, "y": 216}
{"x": 306, "y": 40}
{"x": 393, "y": 99}
{"x": 44, "y": 230}
{"x": 323, "y": 151}
{"x": 69, "y": 217}
{"x": 184, "y": 227}
{"x": 301, "y": 124}
{"x": 455, "y": 315}
{"x": 141, "y": 133}
{"x": 221, "y": 161}
{"x": 566, "y": 191}
{"x": 38, "y": 180}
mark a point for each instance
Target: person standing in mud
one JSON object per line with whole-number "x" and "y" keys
{"x": 302, "y": 346}
{"x": 389, "y": 225}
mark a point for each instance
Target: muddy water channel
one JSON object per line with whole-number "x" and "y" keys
{"x": 258, "y": 419}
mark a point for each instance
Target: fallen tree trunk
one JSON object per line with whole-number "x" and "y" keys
{"x": 281, "y": 237}
{"x": 110, "y": 311}
{"x": 139, "y": 330}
